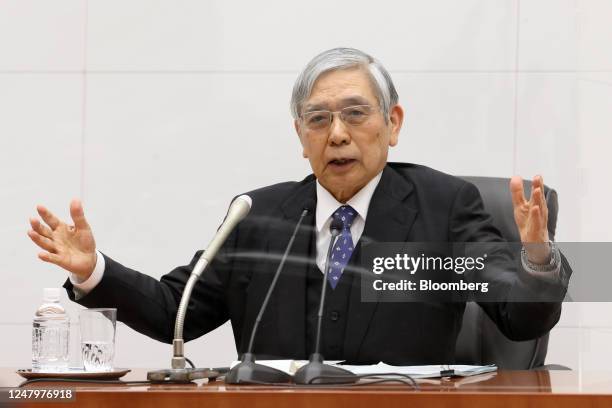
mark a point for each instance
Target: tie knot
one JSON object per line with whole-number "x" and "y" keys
{"x": 346, "y": 214}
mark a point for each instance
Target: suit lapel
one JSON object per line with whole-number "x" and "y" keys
{"x": 389, "y": 219}
{"x": 290, "y": 292}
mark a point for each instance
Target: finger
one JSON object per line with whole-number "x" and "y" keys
{"x": 40, "y": 228}
{"x": 49, "y": 257}
{"x": 78, "y": 215}
{"x": 537, "y": 199}
{"x": 537, "y": 223}
{"x": 51, "y": 220}
{"x": 537, "y": 181}
{"x": 543, "y": 205}
{"x": 538, "y": 231}
{"x": 43, "y": 242}
{"x": 516, "y": 188}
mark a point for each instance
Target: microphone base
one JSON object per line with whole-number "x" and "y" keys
{"x": 184, "y": 375}
{"x": 249, "y": 372}
{"x": 316, "y": 372}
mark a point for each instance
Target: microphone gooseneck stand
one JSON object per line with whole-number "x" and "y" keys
{"x": 239, "y": 208}
{"x": 316, "y": 371}
{"x": 248, "y": 371}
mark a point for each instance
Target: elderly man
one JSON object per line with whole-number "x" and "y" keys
{"x": 346, "y": 114}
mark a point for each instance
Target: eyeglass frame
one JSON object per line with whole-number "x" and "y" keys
{"x": 374, "y": 109}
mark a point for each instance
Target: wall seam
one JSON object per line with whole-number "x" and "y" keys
{"x": 516, "y": 90}
{"x": 84, "y": 102}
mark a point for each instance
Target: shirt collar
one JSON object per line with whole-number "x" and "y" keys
{"x": 327, "y": 203}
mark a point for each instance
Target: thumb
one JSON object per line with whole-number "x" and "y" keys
{"x": 77, "y": 214}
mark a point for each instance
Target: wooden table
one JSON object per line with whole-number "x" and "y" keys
{"x": 505, "y": 388}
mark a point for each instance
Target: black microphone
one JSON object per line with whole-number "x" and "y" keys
{"x": 316, "y": 372}
{"x": 248, "y": 371}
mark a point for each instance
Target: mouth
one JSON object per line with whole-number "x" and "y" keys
{"x": 341, "y": 164}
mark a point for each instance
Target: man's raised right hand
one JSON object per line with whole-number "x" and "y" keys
{"x": 71, "y": 247}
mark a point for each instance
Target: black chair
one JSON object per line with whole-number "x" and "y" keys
{"x": 480, "y": 341}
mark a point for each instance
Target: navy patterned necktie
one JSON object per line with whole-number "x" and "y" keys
{"x": 343, "y": 248}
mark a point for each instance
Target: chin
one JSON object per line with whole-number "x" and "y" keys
{"x": 342, "y": 180}
{"x": 347, "y": 185}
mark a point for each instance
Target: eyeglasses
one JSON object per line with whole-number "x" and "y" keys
{"x": 351, "y": 115}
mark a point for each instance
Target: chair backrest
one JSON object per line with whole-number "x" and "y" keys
{"x": 480, "y": 341}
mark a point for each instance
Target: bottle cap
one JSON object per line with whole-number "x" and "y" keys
{"x": 51, "y": 294}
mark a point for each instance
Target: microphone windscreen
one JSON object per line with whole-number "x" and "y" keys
{"x": 310, "y": 205}
{"x": 239, "y": 209}
{"x": 247, "y": 199}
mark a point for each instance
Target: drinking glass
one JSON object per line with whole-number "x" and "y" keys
{"x": 98, "y": 328}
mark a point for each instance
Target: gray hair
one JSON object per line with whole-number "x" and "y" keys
{"x": 344, "y": 58}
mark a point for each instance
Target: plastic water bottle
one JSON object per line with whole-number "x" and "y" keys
{"x": 50, "y": 334}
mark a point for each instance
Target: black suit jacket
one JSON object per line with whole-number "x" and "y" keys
{"x": 411, "y": 203}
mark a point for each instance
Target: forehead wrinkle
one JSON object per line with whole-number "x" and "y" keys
{"x": 344, "y": 102}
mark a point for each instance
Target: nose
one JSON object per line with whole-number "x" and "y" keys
{"x": 338, "y": 131}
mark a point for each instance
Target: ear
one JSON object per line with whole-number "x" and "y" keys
{"x": 298, "y": 130}
{"x": 396, "y": 118}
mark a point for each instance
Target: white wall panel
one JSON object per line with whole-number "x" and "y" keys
{"x": 587, "y": 315}
{"x": 563, "y": 133}
{"x": 165, "y": 154}
{"x": 458, "y": 123}
{"x": 284, "y": 35}
{"x": 548, "y": 142}
{"x": 595, "y": 315}
{"x": 548, "y": 35}
{"x": 595, "y": 35}
{"x": 596, "y": 354}
{"x": 595, "y": 128}
{"x": 565, "y": 347}
{"x": 16, "y": 347}
{"x": 42, "y": 35}
{"x": 580, "y": 348}
{"x": 40, "y": 162}
{"x": 571, "y": 315}
{"x": 557, "y": 35}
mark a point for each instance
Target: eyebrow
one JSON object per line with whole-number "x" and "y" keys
{"x": 348, "y": 101}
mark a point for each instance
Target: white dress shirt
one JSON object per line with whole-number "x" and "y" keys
{"x": 82, "y": 287}
{"x": 327, "y": 205}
